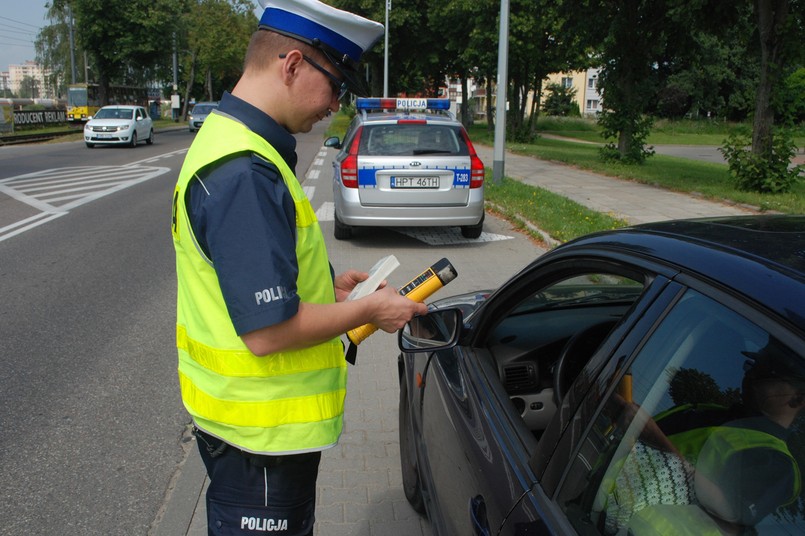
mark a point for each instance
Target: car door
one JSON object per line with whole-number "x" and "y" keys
{"x": 141, "y": 124}
{"x": 481, "y": 424}
{"x": 476, "y": 462}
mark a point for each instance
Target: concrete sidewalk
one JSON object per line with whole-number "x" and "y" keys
{"x": 631, "y": 201}
{"x": 355, "y": 481}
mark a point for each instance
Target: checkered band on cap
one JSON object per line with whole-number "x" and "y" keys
{"x": 343, "y": 35}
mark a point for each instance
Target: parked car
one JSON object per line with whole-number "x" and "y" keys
{"x": 118, "y": 124}
{"x": 648, "y": 380}
{"x": 199, "y": 113}
{"x": 406, "y": 162}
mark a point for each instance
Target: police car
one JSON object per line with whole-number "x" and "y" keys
{"x": 406, "y": 162}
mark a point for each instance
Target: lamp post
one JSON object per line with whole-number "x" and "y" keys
{"x": 386, "y": 53}
{"x": 502, "y": 94}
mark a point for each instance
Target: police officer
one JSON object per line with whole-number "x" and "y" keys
{"x": 260, "y": 312}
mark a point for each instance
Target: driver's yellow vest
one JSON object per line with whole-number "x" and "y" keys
{"x": 287, "y": 402}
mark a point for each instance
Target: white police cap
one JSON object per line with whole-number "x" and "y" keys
{"x": 342, "y": 36}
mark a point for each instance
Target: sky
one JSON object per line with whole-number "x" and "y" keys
{"x": 20, "y": 22}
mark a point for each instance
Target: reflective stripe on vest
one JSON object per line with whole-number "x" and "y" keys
{"x": 282, "y": 403}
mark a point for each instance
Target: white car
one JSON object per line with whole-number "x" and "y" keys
{"x": 119, "y": 124}
{"x": 200, "y": 112}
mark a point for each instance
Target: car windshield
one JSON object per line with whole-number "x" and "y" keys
{"x": 114, "y": 113}
{"x": 203, "y": 109}
{"x": 410, "y": 139}
{"x": 599, "y": 289}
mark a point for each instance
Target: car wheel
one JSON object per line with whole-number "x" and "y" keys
{"x": 341, "y": 231}
{"x": 150, "y": 139}
{"x": 90, "y": 145}
{"x": 133, "y": 142}
{"x": 412, "y": 485}
{"x": 473, "y": 231}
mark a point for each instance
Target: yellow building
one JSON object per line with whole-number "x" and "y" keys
{"x": 586, "y": 85}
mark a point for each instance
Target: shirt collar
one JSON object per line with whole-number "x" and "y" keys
{"x": 261, "y": 124}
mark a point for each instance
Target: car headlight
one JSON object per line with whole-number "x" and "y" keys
{"x": 123, "y": 127}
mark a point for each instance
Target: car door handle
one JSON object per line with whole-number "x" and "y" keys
{"x": 480, "y": 524}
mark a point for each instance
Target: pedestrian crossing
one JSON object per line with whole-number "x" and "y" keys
{"x": 54, "y": 192}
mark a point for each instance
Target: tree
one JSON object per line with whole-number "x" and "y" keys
{"x": 53, "y": 49}
{"x": 213, "y": 53}
{"x": 766, "y": 166}
{"x": 638, "y": 44}
{"x": 128, "y": 40}
{"x": 692, "y": 386}
{"x": 781, "y": 34}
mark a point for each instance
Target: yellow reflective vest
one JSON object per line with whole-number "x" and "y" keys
{"x": 288, "y": 402}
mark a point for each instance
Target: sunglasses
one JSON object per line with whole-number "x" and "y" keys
{"x": 339, "y": 87}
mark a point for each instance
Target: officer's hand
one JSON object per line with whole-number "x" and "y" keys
{"x": 391, "y": 311}
{"x": 344, "y": 283}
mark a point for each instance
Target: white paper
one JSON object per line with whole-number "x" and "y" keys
{"x": 380, "y": 271}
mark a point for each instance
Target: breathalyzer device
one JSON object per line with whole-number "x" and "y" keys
{"x": 418, "y": 289}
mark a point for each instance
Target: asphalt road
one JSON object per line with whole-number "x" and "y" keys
{"x": 94, "y": 433}
{"x": 90, "y": 415}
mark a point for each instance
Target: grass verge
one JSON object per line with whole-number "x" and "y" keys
{"x": 709, "y": 180}
{"x": 536, "y": 211}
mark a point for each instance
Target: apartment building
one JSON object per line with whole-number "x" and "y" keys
{"x": 586, "y": 85}
{"x": 35, "y": 79}
{"x": 5, "y": 84}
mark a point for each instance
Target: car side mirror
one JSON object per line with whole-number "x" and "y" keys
{"x": 333, "y": 142}
{"x": 437, "y": 330}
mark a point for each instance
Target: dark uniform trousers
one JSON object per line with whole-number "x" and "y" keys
{"x": 251, "y": 494}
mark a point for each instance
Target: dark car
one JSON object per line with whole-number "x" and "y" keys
{"x": 648, "y": 380}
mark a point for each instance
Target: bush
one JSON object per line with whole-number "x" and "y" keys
{"x": 559, "y": 101}
{"x": 764, "y": 173}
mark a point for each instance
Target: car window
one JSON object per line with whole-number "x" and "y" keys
{"x": 542, "y": 344}
{"x": 202, "y": 109}
{"x": 411, "y": 139}
{"x": 702, "y": 434}
{"x": 114, "y": 113}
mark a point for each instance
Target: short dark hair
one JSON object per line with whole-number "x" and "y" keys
{"x": 265, "y": 46}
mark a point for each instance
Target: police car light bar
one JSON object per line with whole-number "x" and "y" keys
{"x": 374, "y": 103}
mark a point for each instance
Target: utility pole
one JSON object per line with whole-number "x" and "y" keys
{"x": 72, "y": 46}
{"x": 498, "y": 158}
{"x": 175, "y": 104}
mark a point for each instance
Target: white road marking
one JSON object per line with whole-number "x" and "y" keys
{"x": 446, "y": 236}
{"x": 54, "y": 192}
{"x": 29, "y": 223}
{"x": 433, "y": 236}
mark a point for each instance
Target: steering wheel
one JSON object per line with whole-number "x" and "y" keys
{"x": 575, "y": 354}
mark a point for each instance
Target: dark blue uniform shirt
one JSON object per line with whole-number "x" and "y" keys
{"x": 244, "y": 219}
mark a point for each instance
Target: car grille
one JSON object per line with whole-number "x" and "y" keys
{"x": 103, "y": 128}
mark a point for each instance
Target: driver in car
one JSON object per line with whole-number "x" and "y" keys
{"x": 725, "y": 468}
